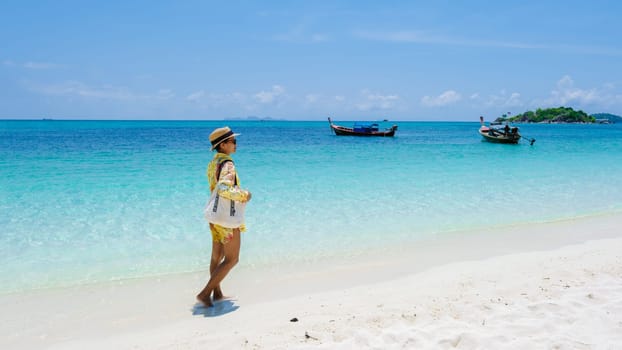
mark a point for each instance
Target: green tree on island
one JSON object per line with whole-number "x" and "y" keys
{"x": 549, "y": 115}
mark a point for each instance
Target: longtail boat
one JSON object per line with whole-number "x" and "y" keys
{"x": 362, "y": 129}
{"x": 499, "y": 133}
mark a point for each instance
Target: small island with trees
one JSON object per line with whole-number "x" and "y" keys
{"x": 559, "y": 115}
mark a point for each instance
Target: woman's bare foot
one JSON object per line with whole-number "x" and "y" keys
{"x": 204, "y": 300}
{"x": 218, "y": 294}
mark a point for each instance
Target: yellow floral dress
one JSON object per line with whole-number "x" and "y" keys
{"x": 227, "y": 186}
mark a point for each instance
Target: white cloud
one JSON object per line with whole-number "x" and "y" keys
{"x": 401, "y": 36}
{"x": 503, "y": 99}
{"x": 249, "y": 102}
{"x": 75, "y": 88}
{"x": 237, "y": 96}
{"x": 513, "y": 100}
{"x": 32, "y": 65}
{"x": 317, "y": 38}
{"x": 422, "y": 37}
{"x": 195, "y": 96}
{"x": 302, "y": 38}
{"x": 312, "y": 98}
{"x": 340, "y": 98}
{"x": 377, "y": 102}
{"x": 209, "y": 100}
{"x": 165, "y": 94}
{"x": 566, "y": 93}
{"x": 300, "y": 34}
{"x": 41, "y": 65}
{"x": 268, "y": 97}
{"x": 79, "y": 89}
{"x": 446, "y": 98}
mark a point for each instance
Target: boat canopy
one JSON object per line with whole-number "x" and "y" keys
{"x": 365, "y": 127}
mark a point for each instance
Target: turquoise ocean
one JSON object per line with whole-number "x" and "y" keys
{"x": 93, "y": 201}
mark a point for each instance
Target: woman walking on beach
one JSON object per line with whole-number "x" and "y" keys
{"x": 226, "y": 241}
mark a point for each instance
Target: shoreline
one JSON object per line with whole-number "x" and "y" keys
{"x": 159, "y": 312}
{"x": 353, "y": 257}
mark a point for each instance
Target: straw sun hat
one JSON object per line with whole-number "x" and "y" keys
{"x": 219, "y": 135}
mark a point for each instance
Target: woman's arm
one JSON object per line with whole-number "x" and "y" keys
{"x": 226, "y": 187}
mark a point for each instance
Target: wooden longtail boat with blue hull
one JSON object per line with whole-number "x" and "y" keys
{"x": 501, "y": 134}
{"x": 362, "y": 129}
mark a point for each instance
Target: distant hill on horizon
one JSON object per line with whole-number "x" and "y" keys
{"x": 612, "y": 118}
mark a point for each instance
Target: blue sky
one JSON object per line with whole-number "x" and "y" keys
{"x": 306, "y": 60}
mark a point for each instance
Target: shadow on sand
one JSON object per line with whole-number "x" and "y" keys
{"x": 220, "y": 308}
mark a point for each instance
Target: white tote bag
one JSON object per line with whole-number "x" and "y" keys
{"x": 224, "y": 212}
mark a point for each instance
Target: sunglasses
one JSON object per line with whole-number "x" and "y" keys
{"x": 234, "y": 141}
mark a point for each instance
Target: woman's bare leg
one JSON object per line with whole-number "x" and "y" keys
{"x": 232, "y": 256}
{"x": 218, "y": 253}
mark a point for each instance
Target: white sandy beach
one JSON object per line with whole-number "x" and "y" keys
{"x": 552, "y": 285}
